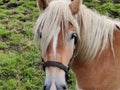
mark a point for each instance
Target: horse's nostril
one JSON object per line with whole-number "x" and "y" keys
{"x": 44, "y": 88}
{"x": 64, "y": 87}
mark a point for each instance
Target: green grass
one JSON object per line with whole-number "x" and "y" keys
{"x": 20, "y": 66}
{"x": 20, "y": 63}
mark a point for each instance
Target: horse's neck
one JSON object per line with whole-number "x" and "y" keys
{"x": 99, "y": 73}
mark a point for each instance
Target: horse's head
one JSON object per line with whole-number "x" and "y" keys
{"x": 58, "y": 32}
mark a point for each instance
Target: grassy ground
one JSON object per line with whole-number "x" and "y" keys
{"x": 20, "y": 64}
{"x": 19, "y": 60}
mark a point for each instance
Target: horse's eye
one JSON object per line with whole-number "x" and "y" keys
{"x": 74, "y": 36}
{"x": 40, "y": 35}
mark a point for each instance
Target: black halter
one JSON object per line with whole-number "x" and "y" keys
{"x": 61, "y": 66}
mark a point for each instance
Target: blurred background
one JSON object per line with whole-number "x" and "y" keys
{"x": 20, "y": 63}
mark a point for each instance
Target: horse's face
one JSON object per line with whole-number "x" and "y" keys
{"x": 59, "y": 44}
{"x": 60, "y": 49}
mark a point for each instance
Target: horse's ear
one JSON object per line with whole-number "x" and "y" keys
{"x": 75, "y": 6}
{"x": 42, "y": 4}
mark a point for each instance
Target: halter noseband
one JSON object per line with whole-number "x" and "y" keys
{"x": 55, "y": 64}
{"x": 61, "y": 66}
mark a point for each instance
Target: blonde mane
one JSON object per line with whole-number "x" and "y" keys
{"x": 93, "y": 29}
{"x": 96, "y": 31}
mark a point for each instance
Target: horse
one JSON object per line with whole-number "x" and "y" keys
{"x": 70, "y": 35}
